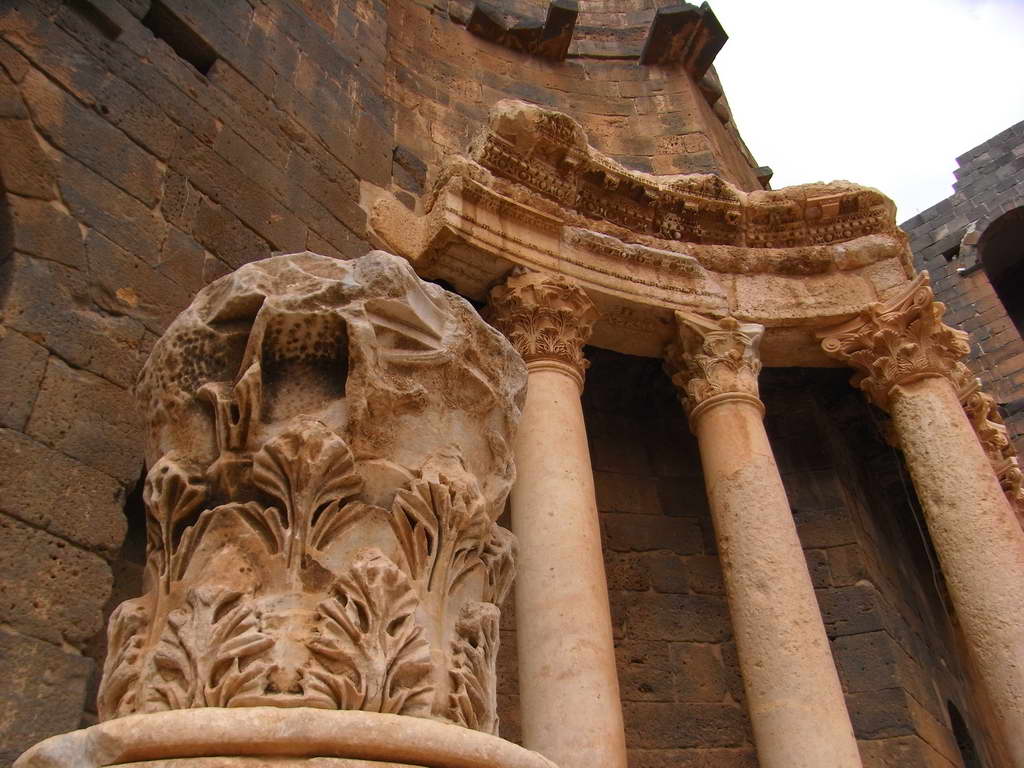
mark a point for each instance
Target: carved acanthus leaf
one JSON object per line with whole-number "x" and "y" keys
{"x": 546, "y": 317}
{"x": 714, "y": 357}
{"x": 369, "y": 652}
{"x": 310, "y": 470}
{"x": 441, "y": 528}
{"x": 209, "y": 651}
{"x": 499, "y": 558}
{"x": 473, "y": 698}
{"x": 122, "y": 669}
{"x": 983, "y": 413}
{"x": 173, "y": 491}
{"x": 898, "y": 342}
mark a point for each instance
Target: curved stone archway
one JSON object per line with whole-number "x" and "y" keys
{"x": 1001, "y": 251}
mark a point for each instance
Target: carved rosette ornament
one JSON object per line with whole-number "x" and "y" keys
{"x": 714, "y": 360}
{"x": 899, "y": 341}
{"x": 547, "y": 318}
{"x": 329, "y": 445}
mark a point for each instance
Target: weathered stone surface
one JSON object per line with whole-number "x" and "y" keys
{"x": 23, "y": 368}
{"x": 656, "y": 725}
{"x": 43, "y": 694}
{"x": 328, "y": 449}
{"x": 68, "y": 499}
{"x": 89, "y": 419}
{"x": 42, "y": 230}
{"x": 37, "y": 574}
{"x": 679, "y": 618}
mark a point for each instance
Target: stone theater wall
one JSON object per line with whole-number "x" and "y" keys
{"x": 148, "y": 147}
{"x": 971, "y": 244}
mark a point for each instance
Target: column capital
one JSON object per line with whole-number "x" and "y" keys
{"x": 899, "y": 341}
{"x": 713, "y": 360}
{"x": 983, "y": 413}
{"x": 548, "y": 319}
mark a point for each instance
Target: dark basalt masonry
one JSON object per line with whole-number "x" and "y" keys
{"x": 149, "y": 146}
{"x": 972, "y": 244}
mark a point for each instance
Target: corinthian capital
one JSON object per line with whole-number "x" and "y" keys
{"x": 713, "y": 360}
{"x": 899, "y": 341}
{"x": 547, "y": 318}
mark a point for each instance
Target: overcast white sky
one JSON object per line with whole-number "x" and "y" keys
{"x": 886, "y": 94}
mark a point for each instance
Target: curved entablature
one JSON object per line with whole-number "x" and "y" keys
{"x": 533, "y": 192}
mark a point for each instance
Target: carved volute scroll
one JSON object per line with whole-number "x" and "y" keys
{"x": 547, "y": 318}
{"x": 714, "y": 360}
{"x": 329, "y": 445}
{"x": 899, "y": 341}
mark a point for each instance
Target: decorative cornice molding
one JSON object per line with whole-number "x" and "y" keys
{"x": 714, "y": 361}
{"x": 547, "y": 317}
{"x": 899, "y": 341}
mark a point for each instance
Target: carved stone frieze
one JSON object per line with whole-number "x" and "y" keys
{"x": 547, "y": 152}
{"x": 714, "y": 359}
{"x": 899, "y": 341}
{"x": 329, "y": 446}
{"x": 547, "y": 318}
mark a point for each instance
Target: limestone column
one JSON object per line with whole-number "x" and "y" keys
{"x": 794, "y": 697}
{"x": 329, "y": 446}
{"x": 907, "y": 363}
{"x": 568, "y": 685}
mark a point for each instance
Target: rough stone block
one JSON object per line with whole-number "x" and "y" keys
{"x": 227, "y": 237}
{"x": 89, "y": 419}
{"x": 626, "y": 571}
{"x": 68, "y": 499}
{"x": 880, "y": 714}
{"x": 23, "y": 366}
{"x": 42, "y": 695}
{"x": 666, "y": 571}
{"x": 40, "y": 229}
{"x": 683, "y": 496}
{"x": 901, "y": 752}
{"x": 645, "y": 671}
{"x": 697, "y": 673}
{"x": 693, "y": 758}
{"x": 38, "y": 572}
{"x": 656, "y": 725}
{"x": 817, "y": 566}
{"x": 678, "y": 618}
{"x": 867, "y": 662}
{"x": 850, "y": 610}
{"x": 123, "y": 284}
{"x": 49, "y": 304}
{"x": 704, "y": 575}
{"x": 97, "y": 203}
{"x": 90, "y": 139}
{"x": 644, "y": 533}
{"x": 24, "y": 167}
{"x": 626, "y": 493}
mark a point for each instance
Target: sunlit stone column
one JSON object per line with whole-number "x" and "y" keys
{"x": 568, "y": 685}
{"x": 907, "y": 362}
{"x": 794, "y": 697}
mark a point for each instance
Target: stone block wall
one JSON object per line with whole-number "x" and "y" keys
{"x": 989, "y": 183}
{"x": 148, "y": 147}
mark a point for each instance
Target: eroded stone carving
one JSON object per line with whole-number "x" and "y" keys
{"x": 713, "y": 358}
{"x": 546, "y": 317}
{"x": 899, "y": 341}
{"x": 983, "y": 412}
{"x": 329, "y": 445}
{"x": 547, "y": 152}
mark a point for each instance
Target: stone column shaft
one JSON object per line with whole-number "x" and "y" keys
{"x": 568, "y": 684}
{"x": 794, "y": 697}
{"x": 907, "y": 363}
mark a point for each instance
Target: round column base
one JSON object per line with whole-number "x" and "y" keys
{"x": 269, "y": 737}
